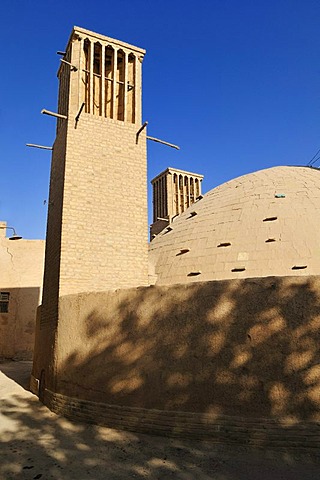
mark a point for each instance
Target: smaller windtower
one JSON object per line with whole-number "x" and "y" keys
{"x": 173, "y": 192}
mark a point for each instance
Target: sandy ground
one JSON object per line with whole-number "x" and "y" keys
{"x": 36, "y": 443}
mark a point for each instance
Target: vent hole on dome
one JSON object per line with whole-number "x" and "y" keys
{"x": 224, "y": 244}
{"x": 167, "y": 230}
{"x": 299, "y": 267}
{"x": 280, "y": 195}
{"x": 192, "y": 214}
{"x": 270, "y": 219}
{"x": 269, "y": 240}
{"x": 238, "y": 269}
{"x": 200, "y": 197}
{"x": 194, "y": 274}
{"x": 183, "y": 251}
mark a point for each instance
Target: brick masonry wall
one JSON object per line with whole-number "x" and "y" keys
{"x": 104, "y": 222}
{"x": 254, "y": 432}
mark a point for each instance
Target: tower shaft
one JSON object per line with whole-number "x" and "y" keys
{"x": 97, "y": 230}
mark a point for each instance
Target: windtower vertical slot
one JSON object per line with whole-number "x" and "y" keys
{"x": 97, "y": 79}
{"x": 86, "y": 75}
{"x": 131, "y": 87}
{"x": 120, "y": 85}
{"x": 109, "y": 84}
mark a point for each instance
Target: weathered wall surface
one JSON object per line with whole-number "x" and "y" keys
{"x": 242, "y": 348}
{"x": 21, "y": 272}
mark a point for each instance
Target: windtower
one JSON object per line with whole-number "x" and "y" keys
{"x": 173, "y": 192}
{"x": 97, "y": 232}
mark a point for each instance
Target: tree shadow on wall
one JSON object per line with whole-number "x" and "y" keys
{"x": 247, "y": 348}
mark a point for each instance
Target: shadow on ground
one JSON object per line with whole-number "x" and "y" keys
{"x": 35, "y": 443}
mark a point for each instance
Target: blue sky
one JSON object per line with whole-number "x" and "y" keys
{"x": 235, "y": 83}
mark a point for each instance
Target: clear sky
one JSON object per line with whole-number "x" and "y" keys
{"x": 235, "y": 83}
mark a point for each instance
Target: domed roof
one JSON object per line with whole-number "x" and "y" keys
{"x": 261, "y": 224}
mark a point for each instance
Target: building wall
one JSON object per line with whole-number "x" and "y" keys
{"x": 104, "y": 222}
{"x": 21, "y": 272}
{"x": 53, "y": 234}
{"x": 241, "y": 348}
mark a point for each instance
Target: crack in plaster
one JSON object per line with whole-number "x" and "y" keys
{"x": 9, "y": 253}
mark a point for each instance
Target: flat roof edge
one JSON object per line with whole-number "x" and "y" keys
{"x": 177, "y": 170}
{"x": 99, "y": 36}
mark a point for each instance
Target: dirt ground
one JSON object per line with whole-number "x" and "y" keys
{"x": 35, "y": 443}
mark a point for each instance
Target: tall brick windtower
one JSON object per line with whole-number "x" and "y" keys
{"x": 97, "y": 232}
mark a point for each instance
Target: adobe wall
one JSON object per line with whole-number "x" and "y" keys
{"x": 104, "y": 235}
{"x": 21, "y": 275}
{"x": 240, "y": 348}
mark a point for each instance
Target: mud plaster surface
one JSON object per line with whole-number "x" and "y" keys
{"x": 37, "y": 444}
